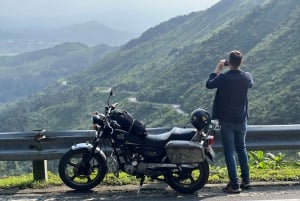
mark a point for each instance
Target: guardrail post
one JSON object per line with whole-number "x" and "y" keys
{"x": 39, "y": 168}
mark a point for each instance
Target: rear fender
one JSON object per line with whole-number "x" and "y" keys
{"x": 210, "y": 154}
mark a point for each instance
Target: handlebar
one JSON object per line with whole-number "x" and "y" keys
{"x": 109, "y": 108}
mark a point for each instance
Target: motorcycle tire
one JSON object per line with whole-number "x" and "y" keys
{"x": 188, "y": 181}
{"x": 78, "y": 176}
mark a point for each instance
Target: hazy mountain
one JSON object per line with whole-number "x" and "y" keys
{"x": 90, "y": 33}
{"x": 4, "y": 35}
{"x": 170, "y": 63}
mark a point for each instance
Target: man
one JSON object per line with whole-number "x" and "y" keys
{"x": 230, "y": 107}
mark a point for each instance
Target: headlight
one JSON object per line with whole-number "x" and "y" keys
{"x": 98, "y": 119}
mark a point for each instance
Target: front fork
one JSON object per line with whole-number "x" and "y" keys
{"x": 92, "y": 149}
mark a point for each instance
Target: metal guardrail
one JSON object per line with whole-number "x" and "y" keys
{"x": 38, "y": 146}
{"x": 48, "y": 145}
{"x": 269, "y": 137}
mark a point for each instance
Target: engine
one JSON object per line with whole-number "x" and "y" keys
{"x": 135, "y": 165}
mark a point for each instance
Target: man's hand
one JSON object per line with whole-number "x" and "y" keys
{"x": 220, "y": 66}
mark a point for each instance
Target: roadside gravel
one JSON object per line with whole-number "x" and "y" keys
{"x": 288, "y": 191}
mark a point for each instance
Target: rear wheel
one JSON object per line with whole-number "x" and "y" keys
{"x": 189, "y": 179}
{"x": 78, "y": 175}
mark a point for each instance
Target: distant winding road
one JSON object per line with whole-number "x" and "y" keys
{"x": 176, "y": 107}
{"x": 134, "y": 100}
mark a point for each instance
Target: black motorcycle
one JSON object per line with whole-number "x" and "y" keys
{"x": 178, "y": 156}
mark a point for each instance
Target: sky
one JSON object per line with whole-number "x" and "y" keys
{"x": 127, "y": 15}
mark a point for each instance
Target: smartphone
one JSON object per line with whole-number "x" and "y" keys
{"x": 226, "y": 63}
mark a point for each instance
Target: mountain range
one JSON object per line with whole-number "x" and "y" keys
{"x": 91, "y": 33}
{"x": 170, "y": 63}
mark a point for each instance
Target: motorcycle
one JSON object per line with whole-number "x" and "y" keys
{"x": 179, "y": 156}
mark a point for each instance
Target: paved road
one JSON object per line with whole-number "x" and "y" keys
{"x": 157, "y": 192}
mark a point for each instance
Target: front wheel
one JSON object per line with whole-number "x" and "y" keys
{"x": 81, "y": 175}
{"x": 187, "y": 179}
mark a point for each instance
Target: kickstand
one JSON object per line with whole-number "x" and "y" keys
{"x": 141, "y": 184}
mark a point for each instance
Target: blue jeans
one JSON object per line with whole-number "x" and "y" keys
{"x": 234, "y": 141}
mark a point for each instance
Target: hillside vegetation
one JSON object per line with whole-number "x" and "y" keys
{"x": 169, "y": 64}
{"x": 27, "y": 73}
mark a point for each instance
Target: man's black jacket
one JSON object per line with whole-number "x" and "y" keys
{"x": 231, "y": 99}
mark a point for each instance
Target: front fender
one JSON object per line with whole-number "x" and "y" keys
{"x": 82, "y": 146}
{"x": 88, "y": 146}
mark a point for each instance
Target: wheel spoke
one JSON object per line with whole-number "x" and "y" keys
{"x": 192, "y": 179}
{"x": 72, "y": 164}
{"x": 95, "y": 167}
{"x": 73, "y": 177}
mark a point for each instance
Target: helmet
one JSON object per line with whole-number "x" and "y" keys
{"x": 200, "y": 118}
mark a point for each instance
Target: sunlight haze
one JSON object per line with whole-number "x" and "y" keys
{"x": 128, "y": 15}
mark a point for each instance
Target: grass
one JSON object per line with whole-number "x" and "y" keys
{"x": 286, "y": 173}
{"x": 26, "y": 181}
{"x": 217, "y": 175}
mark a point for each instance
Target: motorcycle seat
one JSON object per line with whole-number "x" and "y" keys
{"x": 176, "y": 133}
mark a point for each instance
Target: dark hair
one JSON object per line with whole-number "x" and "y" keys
{"x": 235, "y": 58}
